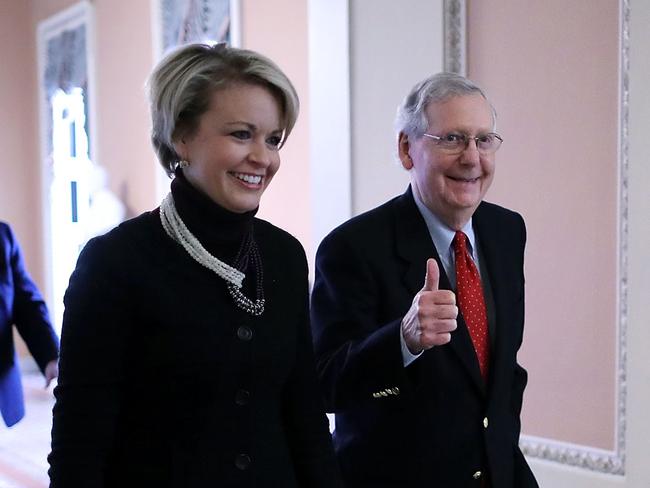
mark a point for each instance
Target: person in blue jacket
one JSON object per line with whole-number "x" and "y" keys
{"x": 21, "y": 305}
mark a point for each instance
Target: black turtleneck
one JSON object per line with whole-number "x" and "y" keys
{"x": 220, "y": 231}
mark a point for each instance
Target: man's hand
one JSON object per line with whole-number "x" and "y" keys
{"x": 432, "y": 316}
{"x": 51, "y": 371}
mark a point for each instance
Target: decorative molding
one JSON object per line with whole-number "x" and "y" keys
{"x": 79, "y": 14}
{"x": 185, "y": 21}
{"x": 330, "y": 152}
{"x": 612, "y": 462}
{"x": 455, "y": 48}
{"x": 584, "y": 457}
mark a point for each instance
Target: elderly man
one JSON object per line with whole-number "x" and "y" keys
{"x": 418, "y": 311}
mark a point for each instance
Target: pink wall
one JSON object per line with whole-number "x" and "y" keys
{"x": 42, "y": 9}
{"x": 124, "y": 59}
{"x": 20, "y": 184}
{"x": 551, "y": 71}
{"x": 278, "y": 29}
{"x": 20, "y": 202}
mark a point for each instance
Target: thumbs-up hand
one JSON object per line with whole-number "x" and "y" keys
{"x": 432, "y": 316}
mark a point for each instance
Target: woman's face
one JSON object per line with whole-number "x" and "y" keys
{"x": 233, "y": 155}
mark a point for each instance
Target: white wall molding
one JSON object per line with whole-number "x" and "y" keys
{"x": 329, "y": 91}
{"x": 569, "y": 454}
{"x": 455, "y": 36}
{"x": 81, "y": 13}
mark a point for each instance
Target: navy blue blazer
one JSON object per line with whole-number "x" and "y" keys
{"x": 21, "y": 305}
{"x": 435, "y": 422}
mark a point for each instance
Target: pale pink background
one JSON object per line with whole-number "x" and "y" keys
{"x": 20, "y": 202}
{"x": 551, "y": 69}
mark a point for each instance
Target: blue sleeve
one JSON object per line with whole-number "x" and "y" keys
{"x": 30, "y": 313}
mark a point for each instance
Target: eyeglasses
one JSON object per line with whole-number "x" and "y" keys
{"x": 454, "y": 143}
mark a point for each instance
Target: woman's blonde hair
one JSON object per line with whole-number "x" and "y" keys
{"x": 181, "y": 86}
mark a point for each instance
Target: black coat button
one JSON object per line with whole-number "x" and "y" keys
{"x": 245, "y": 333}
{"x": 242, "y": 397}
{"x": 243, "y": 461}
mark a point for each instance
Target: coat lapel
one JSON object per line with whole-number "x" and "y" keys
{"x": 414, "y": 246}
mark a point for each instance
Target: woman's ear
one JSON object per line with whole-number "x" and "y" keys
{"x": 403, "y": 148}
{"x": 180, "y": 146}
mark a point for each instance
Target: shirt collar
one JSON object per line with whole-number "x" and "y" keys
{"x": 441, "y": 234}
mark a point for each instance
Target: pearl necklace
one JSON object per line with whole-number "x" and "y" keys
{"x": 178, "y": 231}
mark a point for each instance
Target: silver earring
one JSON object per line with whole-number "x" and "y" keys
{"x": 183, "y": 163}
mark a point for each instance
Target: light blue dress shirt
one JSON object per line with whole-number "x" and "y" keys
{"x": 442, "y": 237}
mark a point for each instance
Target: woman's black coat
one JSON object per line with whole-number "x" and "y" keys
{"x": 164, "y": 382}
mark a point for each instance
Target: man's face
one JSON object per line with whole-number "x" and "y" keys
{"x": 451, "y": 185}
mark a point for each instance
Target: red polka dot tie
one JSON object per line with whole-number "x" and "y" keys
{"x": 471, "y": 302}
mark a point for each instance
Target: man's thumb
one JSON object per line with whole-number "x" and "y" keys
{"x": 432, "y": 277}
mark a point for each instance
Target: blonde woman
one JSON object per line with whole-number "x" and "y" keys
{"x": 186, "y": 353}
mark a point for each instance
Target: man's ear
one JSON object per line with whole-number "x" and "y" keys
{"x": 403, "y": 148}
